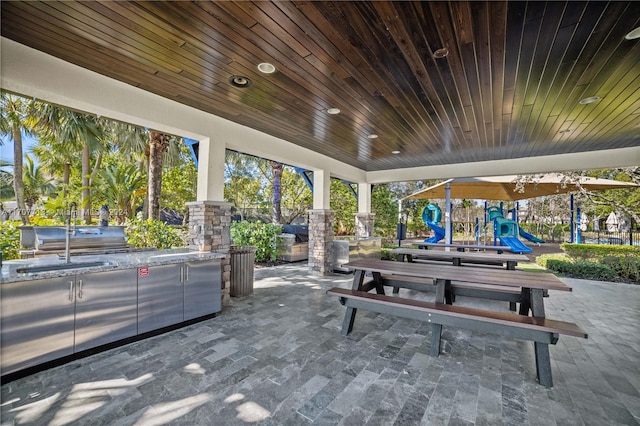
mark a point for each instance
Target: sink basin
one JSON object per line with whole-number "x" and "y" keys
{"x": 61, "y": 267}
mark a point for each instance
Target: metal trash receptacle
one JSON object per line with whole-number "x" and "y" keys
{"x": 242, "y": 260}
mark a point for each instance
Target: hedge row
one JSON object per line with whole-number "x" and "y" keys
{"x": 609, "y": 268}
{"x": 599, "y": 251}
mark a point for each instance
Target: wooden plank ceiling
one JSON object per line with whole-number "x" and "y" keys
{"x": 510, "y": 86}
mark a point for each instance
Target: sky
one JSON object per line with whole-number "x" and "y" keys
{"x": 6, "y": 150}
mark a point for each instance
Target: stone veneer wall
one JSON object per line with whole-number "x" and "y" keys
{"x": 364, "y": 224}
{"x": 321, "y": 238}
{"x": 210, "y": 230}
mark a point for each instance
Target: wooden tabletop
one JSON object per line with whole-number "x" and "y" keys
{"x": 450, "y": 255}
{"x": 493, "y": 276}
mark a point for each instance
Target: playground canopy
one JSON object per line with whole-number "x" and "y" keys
{"x": 504, "y": 188}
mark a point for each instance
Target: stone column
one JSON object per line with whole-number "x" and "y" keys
{"x": 321, "y": 237}
{"x": 210, "y": 230}
{"x": 364, "y": 225}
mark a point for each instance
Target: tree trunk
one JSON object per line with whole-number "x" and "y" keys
{"x": 86, "y": 184}
{"x": 66, "y": 175}
{"x": 158, "y": 145}
{"x": 18, "y": 183}
{"x": 277, "y": 195}
{"x": 145, "y": 199}
{"x": 185, "y": 217}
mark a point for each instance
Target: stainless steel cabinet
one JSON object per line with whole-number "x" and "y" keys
{"x": 43, "y": 320}
{"x": 202, "y": 288}
{"x": 105, "y": 308}
{"x": 170, "y": 294}
{"x": 37, "y": 322}
{"x": 160, "y": 296}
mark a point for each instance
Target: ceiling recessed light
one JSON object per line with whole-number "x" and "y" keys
{"x": 565, "y": 131}
{"x": 239, "y": 81}
{"x": 266, "y": 68}
{"x": 333, "y": 111}
{"x": 372, "y": 136}
{"x": 395, "y": 152}
{"x": 441, "y": 53}
{"x": 634, "y": 34}
{"x": 590, "y": 100}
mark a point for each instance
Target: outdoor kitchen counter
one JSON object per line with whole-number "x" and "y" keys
{"x": 108, "y": 262}
{"x": 49, "y": 314}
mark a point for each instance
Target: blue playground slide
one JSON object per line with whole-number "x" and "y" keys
{"x": 506, "y": 231}
{"x": 514, "y": 244}
{"x": 528, "y": 236}
{"x": 431, "y": 215}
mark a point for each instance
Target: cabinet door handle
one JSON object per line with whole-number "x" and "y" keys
{"x": 71, "y": 290}
{"x": 182, "y": 273}
{"x": 79, "y": 289}
{"x": 186, "y": 273}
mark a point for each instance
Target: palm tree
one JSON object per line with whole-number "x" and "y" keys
{"x": 6, "y": 182}
{"x": 15, "y": 120}
{"x": 36, "y": 184}
{"x": 55, "y": 157}
{"x": 83, "y": 132}
{"x": 123, "y": 185}
{"x": 158, "y": 145}
{"x": 159, "y": 150}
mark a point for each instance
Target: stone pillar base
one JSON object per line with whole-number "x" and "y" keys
{"x": 210, "y": 230}
{"x": 364, "y": 225}
{"x": 321, "y": 238}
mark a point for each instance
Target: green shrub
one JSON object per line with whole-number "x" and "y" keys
{"x": 593, "y": 270}
{"x": 9, "y": 239}
{"x": 627, "y": 268}
{"x": 182, "y": 231}
{"x": 386, "y": 253}
{"x": 582, "y": 269}
{"x": 152, "y": 233}
{"x": 260, "y": 235}
{"x": 544, "y": 259}
{"x": 559, "y": 265}
{"x": 599, "y": 251}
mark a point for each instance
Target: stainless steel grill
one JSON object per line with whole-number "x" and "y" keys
{"x": 48, "y": 240}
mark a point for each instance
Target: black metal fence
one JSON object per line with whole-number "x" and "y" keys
{"x": 606, "y": 237}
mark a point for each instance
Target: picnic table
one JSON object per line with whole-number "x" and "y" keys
{"x": 531, "y": 285}
{"x": 462, "y": 247}
{"x": 457, "y": 258}
{"x": 537, "y": 328}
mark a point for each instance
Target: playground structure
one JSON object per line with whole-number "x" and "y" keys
{"x": 506, "y": 231}
{"x": 511, "y": 188}
{"x": 431, "y": 215}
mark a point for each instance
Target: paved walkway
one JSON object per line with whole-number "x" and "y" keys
{"x": 277, "y": 358}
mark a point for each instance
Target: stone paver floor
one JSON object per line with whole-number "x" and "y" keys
{"x": 278, "y": 358}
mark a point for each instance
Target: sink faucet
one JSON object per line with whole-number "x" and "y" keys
{"x": 67, "y": 242}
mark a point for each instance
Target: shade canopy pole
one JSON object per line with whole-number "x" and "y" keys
{"x": 447, "y": 215}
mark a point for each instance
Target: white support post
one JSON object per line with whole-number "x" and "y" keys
{"x": 364, "y": 198}
{"x": 321, "y": 189}
{"x": 210, "y": 170}
{"x": 364, "y": 217}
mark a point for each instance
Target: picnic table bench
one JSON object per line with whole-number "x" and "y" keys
{"x": 462, "y": 247}
{"x": 510, "y": 260}
{"x": 455, "y": 288}
{"x": 538, "y": 329}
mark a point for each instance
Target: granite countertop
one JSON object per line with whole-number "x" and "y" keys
{"x": 11, "y": 269}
